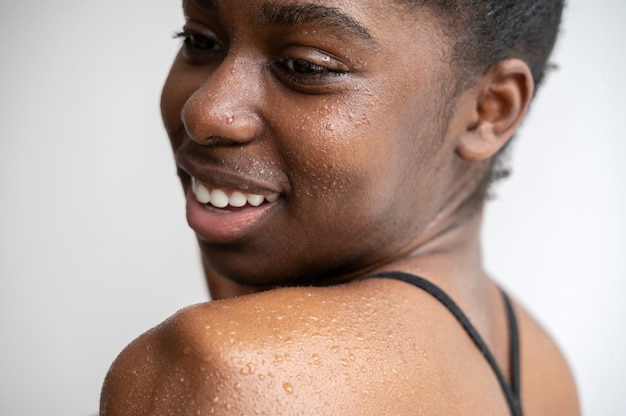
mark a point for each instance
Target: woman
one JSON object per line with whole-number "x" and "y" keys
{"x": 335, "y": 158}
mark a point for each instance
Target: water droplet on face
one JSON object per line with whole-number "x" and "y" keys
{"x": 251, "y": 368}
{"x": 288, "y": 388}
{"x": 230, "y": 119}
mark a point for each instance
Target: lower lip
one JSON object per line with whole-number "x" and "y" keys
{"x": 223, "y": 227}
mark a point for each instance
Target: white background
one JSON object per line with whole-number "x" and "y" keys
{"x": 94, "y": 248}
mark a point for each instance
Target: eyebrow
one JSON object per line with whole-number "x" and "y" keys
{"x": 294, "y": 14}
{"x": 205, "y": 4}
{"x": 276, "y": 14}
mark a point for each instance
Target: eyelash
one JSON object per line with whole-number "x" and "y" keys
{"x": 305, "y": 72}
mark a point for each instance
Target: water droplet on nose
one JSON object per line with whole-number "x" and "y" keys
{"x": 288, "y": 388}
{"x": 230, "y": 119}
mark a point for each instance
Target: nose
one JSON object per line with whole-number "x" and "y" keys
{"x": 222, "y": 109}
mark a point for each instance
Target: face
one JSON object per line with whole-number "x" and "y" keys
{"x": 313, "y": 139}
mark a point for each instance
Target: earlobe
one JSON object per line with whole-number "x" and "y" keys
{"x": 502, "y": 99}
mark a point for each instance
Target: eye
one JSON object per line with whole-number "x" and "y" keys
{"x": 196, "y": 44}
{"x": 308, "y": 69}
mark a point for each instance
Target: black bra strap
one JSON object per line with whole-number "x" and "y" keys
{"x": 514, "y": 353}
{"x": 511, "y": 393}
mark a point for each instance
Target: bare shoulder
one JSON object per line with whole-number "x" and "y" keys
{"x": 548, "y": 387}
{"x": 367, "y": 348}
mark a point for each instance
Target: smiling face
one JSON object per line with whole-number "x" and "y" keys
{"x": 314, "y": 140}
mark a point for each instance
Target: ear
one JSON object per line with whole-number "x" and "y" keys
{"x": 502, "y": 99}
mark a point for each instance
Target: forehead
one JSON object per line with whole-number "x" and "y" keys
{"x": 364, "y": 19}
{"x": 286, "y": 12}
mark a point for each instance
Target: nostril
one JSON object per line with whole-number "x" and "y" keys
{"x": 208, "y": 127}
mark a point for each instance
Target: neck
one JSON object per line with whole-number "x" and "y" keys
{"x": 451, "y": 259}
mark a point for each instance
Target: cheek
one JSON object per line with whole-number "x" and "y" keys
{"x": 336, "y": 154}
{"x": 386, "y": 155}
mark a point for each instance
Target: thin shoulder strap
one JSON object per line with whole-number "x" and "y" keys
{"x": 511, "y": 393}
{"x": 514, "y": 352}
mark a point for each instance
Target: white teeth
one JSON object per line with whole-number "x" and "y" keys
{"x": 220, "y": 199}
{"x": 272, "y": 197}
{"x": 202, "y": 194}
{"x": 237, "y": 199}
{"x": 255, "y": 200}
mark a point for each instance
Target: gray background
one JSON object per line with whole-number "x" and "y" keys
{"x": 94, "y": 248}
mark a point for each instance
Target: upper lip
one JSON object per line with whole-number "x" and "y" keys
{"x": 222, "y": 175}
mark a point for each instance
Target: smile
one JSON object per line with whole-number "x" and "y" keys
{"x": 225, "y": 198}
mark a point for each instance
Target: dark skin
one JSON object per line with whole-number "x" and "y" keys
{"x": 338, "y": 126}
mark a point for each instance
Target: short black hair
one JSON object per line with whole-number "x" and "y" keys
{"x": 489, "y": 31}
